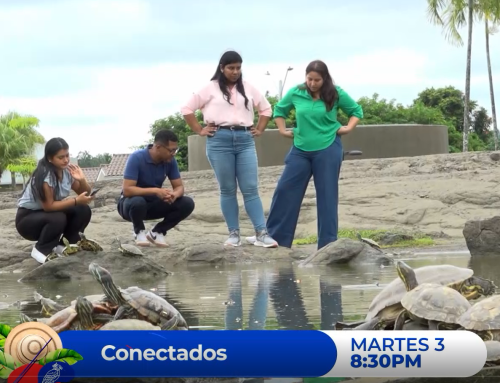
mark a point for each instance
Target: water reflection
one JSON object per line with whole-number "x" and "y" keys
{"x": 244, "y": 297}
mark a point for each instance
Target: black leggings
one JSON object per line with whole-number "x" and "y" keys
{"x": 47, "y": 228}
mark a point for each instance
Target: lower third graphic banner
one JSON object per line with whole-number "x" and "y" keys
{"x": 32, "y": 349}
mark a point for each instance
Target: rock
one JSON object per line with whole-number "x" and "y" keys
{"x": 346, "y": 250}
{"x": 217, "y": 253}
{"x": 483, "y": 236}
{"x": 76, "y": 266}
{"x": 392, "y": 238}
{"x": 495, "y": 156}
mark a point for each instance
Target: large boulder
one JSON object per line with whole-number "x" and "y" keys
{"x": 482, "y": 236}
{"x": 347, "y": 251}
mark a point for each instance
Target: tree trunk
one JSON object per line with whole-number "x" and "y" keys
{"x": 490, "y": 78}
{"x": 13, "y": 180}
{"x": 467, "y": 79}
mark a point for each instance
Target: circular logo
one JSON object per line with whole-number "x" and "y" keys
{"x": 26, "y": 341}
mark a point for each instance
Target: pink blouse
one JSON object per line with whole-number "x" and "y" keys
{"x": 217, "y": 110}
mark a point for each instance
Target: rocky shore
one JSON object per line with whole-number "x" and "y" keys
{"x": 435, "y": 195}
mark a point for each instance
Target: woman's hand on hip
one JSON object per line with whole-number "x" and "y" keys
{"x": 208, "y": 130}
{"x": 287, "y": 133}
{"x": 255, "y": 132}
{"x": 344, "y": 130}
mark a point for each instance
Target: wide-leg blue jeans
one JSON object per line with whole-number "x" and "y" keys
{"x": 233, "y": 158}
{"x": 324, "y": 165}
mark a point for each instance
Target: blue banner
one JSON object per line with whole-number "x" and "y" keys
{"x": 201, "y": 353}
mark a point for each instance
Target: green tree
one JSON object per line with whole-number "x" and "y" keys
{"x": 19, "y": 136}
{"x": 452, "y": 15}
{"x": 87, "y": 160}
{"x": 451, "y": 102}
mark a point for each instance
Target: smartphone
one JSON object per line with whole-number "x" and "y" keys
{"x": 94, "y": 191}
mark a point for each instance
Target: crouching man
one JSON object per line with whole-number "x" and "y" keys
{"x": 143, "y": 197}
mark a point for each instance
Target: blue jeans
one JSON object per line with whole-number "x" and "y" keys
{"x": 233, "y": 158}
{"x": 324, "y": 165}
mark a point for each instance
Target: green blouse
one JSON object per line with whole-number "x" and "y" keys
{"x": 316, "y": 128}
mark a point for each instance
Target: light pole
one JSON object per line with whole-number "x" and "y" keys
{"x": 283, "y": 85}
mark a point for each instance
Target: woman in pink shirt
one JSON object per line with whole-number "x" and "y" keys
{"x": 227, "y": 103}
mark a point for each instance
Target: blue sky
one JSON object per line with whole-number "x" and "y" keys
{"x": 99, "y": 72}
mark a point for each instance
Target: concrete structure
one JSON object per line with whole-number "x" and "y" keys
{"x": 113, "y": 170}
{"x": 375, "y": 141}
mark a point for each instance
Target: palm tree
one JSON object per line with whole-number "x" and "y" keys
{"x": 489, "y": 31}
{"x": 452, "y": 15}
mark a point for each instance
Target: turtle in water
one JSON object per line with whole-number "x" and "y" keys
{"x": 386, "y": 306}
{"x": 127, "y": 249}
{"x": 130, "y": 324}
{"x": 88, "y": 244}
{"x": 370, "y": 242}
{"x": 492, "y": 353}
{"x": 433, "y": 304}
{"x": 137, "y": 302}
{"x": 76, "y": 317}
{"x": 483, "y": 318}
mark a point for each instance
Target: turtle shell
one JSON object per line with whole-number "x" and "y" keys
{"x": 436, "y": 302}
{"x": 150, "y": 305}
{"x": 129, "y": 324}
{"x": 482, "y": 316}
{"x": 131, "y": 249}
{"x": 492, "y": 350}
{"x": 394, "y": 291}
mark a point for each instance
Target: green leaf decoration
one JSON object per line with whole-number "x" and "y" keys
{"x": 4, "y": 331}
{"x": 62, "y": 355}
{"x": 7, "y": 365}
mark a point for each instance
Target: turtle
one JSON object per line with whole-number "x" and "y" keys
{"x": 88, "y": 244}
{"x": 127, "y": 249}
{"x": 483, "y": 318}
{"x": 137, "y": 302}
{"x": 69, "y": 248}
{"x": 130, "y": 324}
{"x": 370, "y": 242}
{"x": 79, "y": 316}
{"x": 433, "y": 304}
{"x": 492, "y": 353}
{"x": 386, "y": 306}
{"x": 50, "y": 307}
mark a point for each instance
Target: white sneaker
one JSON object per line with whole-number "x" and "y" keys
{"x": 251, "y": 239}
{"x": 157, "y": 239}
{"x": 37, "y": 256}
{"x": 141, "y": 239}
{"x": 59, "y": 249}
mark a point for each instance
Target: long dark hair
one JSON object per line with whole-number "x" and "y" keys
{"x": 44, "y": 168}
{"x": 229, "y": 57}
{"x": 328, "y": 92}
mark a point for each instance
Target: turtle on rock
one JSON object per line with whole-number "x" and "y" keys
{"x": 76, "y": 317}
{"x": 433, "y": 304}
{"x": 69, "y": 248}
{"x": 127, "y": 249}
{"x": 483, "y": 318}
{"x": 138, "y": 303}
{"x": 386, "y": 306}
{"x": 88, "y": 244}
{"x": 370, "y": 242}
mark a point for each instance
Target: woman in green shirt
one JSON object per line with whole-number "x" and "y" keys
{"x": 316, "y": 151}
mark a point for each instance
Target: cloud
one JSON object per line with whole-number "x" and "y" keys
{"x": 99, "y": 72}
